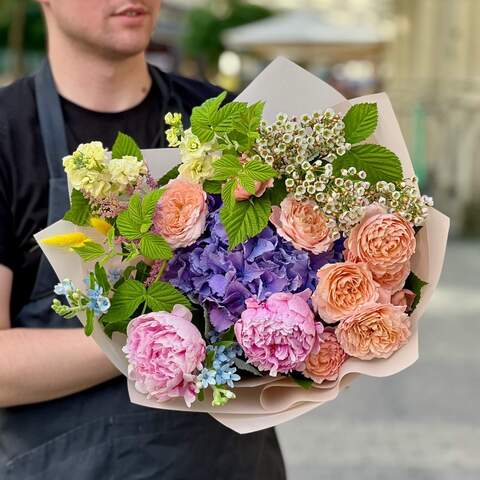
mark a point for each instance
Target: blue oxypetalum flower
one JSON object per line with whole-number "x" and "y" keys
{"x": 65, "y": 287}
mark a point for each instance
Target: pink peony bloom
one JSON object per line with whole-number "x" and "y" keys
{"x": 277, "y": 335}
{"x": 385, "y": 242}
{"x": 374, "y": 331}
{"x": 341, "y": 289}
{"x": 302, "y": 224}
{"x": 403, "y": 298}
{"x": 326, "y": 363}
{"x": 260, "y": 187}
{"x": 164, "y": 351}
{"x": 181, "y": 213}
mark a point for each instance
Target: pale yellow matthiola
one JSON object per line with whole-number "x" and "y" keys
{"x": 125, "y": 171}
{"x": 197, "y": 158}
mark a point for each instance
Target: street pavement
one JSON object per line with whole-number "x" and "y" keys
{"x": 422, "y": 424}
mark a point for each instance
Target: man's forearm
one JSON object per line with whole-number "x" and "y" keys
{"x": 42, "y": 364}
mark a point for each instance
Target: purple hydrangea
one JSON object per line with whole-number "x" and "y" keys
{"x": 222, "y": 280}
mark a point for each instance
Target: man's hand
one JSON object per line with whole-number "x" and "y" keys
{"x": 42, "y": 364}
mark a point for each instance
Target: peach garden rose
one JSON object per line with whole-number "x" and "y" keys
{"x": 325, "y": 364}
{"x": 181, "y": 213}
{"x": 374, "y": 331}
{"x": 302, "y": 223}
{"x": 385, "y": 242}
{"x": 341, "y": 289}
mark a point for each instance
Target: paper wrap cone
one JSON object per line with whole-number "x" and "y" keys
{"x": 268, "y": 401}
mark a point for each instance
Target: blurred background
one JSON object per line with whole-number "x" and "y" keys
{"x": 423, "y": 423}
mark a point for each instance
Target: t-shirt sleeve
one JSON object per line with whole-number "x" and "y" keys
{"x": 7, "y": 243}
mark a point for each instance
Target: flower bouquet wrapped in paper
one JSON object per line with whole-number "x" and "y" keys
{"x": 252, "y": 272}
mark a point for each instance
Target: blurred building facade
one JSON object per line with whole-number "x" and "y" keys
{"x": 433, "y": 76}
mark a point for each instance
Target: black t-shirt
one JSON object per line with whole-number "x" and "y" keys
{"x": 24, "y": 171}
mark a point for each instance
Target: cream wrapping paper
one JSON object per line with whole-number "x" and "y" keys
{"x": 267, "y": 401}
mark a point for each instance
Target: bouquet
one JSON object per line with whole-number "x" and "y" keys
{"x": 281, "y": 255}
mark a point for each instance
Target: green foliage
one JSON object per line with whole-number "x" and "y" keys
{"x": 228, "y": 191}
{"x": 212, "y": 186}
{"x": 227, "y": 166}
{"x": 80, "y": 211}
{"x": 245, "y": 128}
{"x": 89, "y": 323}
{"x": 126, "y": 146}
{"x": 415, "y": 284}
{"x": 131, "y": 294}
{"x": 258, "y": 170}
{"x": 90, "y": 251}
{"x": 278, "y": 192}
{"x": 162, "y": 296}
{"x": 211, "y": 119}
{"x": 245, "y": 219}
{"x": 246, "y": 367}
{"x": 102, "y": 278}
{"x": 299, "y": 379}
{"x": 155, "y": 247}
{"x": 379, "y": 163}
{"x": 135, "y": 223}
{"x": 360, "y": 122}
{"x": 170, "y": 175}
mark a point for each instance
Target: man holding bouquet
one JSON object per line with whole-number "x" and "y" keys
{"x": 64, "y": 408}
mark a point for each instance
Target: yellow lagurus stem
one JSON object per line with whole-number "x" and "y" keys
{"x": 100, "y": 225}
{"x": 75, "y": 239}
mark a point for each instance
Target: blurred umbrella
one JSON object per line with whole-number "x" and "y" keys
{"x": 300, "y": 35}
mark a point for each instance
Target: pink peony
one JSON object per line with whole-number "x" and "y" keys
{"x": 326, "y": 363}
{"x": 303, "y": 224}
{"x": 260, "y": 187}
{"x": 374, "y": 331}
{"x": 181, "y": 213}
{"x": 164, "y": 350}
{"x": 277, "y": 335}
{"x": 341, "y": 289}
{"x": 385, "y": 242}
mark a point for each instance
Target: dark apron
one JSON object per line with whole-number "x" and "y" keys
{"x": 99, "y": 433}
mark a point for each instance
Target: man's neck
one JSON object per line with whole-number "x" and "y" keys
{"x": 100, "y": 84}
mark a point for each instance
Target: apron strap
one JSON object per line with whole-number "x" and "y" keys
{"x": 52, "y": 125}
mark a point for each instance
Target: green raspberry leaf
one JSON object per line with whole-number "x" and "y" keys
{"x": 128, "y": 297}
{"x": 162, "y": 297}
{"x": 170, "y": 175}
{"x": 203, "y": 118}
{"x": 227, "y": 166}
{"x": 149, "y": 204}
{"x": 247, "y": 182}
{"x": 80, "y": 211}
{"x": 89, "y": 251}
{"x": 212, "y": 186}
{"x": 155, "y": 247}
{"x": 379, "y": 163}
{"x": 126, "y": 146}
{"x": 245, "y": 219}
{"x": 258, "y": 170}
{"x": 415, "y": 284}
{"x": 101, "y": 278}
{"x": 360, "y": 122}
{"x": 228, "y": 191}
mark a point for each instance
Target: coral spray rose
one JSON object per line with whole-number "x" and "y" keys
{"x": 164, "y": 351}
{"x": 385, "y": 242}
{"x": 278, "y": 334}
{"x": 374, "y": 331}
{"x": 181, "y": 213}
{"x": 341, "y": 289}
{"x": 303, "y": 224}
{"x": 326, "y": 363}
